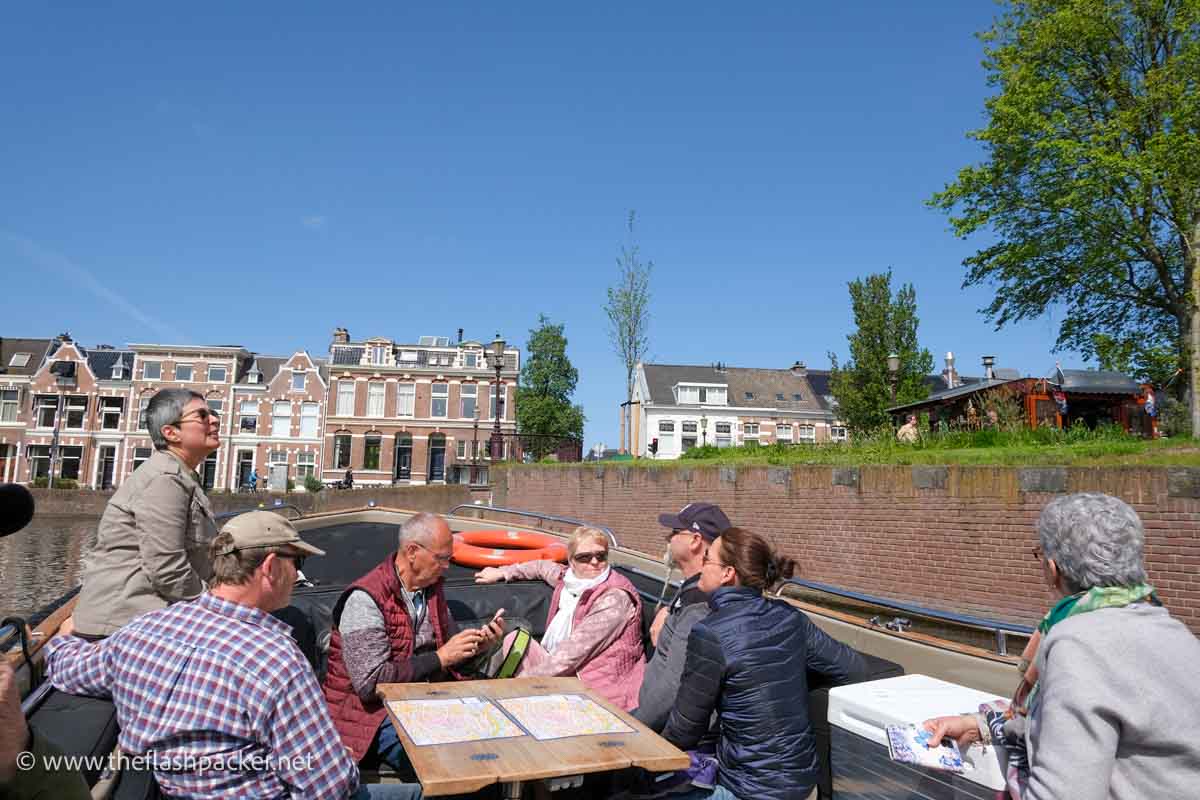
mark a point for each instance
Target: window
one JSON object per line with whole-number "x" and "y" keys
{"x": 183, "y": 372}
{"x": 248, "y": 416}
{"x": 142, "y": 404}
{"x": 779, "y": 396}
{"x": 20, "y": 359}
{"x": 46, "y": 408}
{"x": 378, "y": 354}
{"x": 713, "y": 396}
{"x": 345, "y": 403}
{"x": 39, "y": 460}
{"x": 216, "y": 374}
{"x": 749, "y": 395}
{"x": 281, "y": 418}
{"x": 468, "y": 392}
{"x": 460, "y": 449}
{"x": 666, "y": 436}
{"x": 808, "y": 433}
{"x": 298, "y": 378}
{"x": 140, "y": 456}
{"x": 724, "y": 434}
{"x": 375, "y": 393}
{"x": 750, "y": 430}
{"x": 402, "y": 471}
{"x": 306, "y": 465}
{"x": 409, "y": 356}
{"x": 277, "y": 457}
{"x": 492, "y": 400}
{"x": 254, "y": 376}
{"x": 76, "y": 408}
{"x": 438, "y": 399}
{"x": 110, "y": 413}
{"x": 837, "y": 433}
{"x": 118, "y": 371}
{"x": 216, "y": 404}
{"x": 470, "y": 360}
{"x": 341, "y": 451}
{"x": 10, "y": 402}
{"x": 689, "y": 427}
{"x": 783, "y": 433}
{"x": 797, "y": 397}
{"x": 308, "y": 420}
{"x": 689, "y": 394}
{"x": 152, "y": 370}
{"x": 371, "y": 452}
{"x": 406, "y": 399}
{"x": 68, "y": 462}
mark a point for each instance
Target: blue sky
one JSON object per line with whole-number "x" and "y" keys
{"x": 259, "y": 173}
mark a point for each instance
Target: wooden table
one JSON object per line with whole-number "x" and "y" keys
{"x": 450, "y": 769}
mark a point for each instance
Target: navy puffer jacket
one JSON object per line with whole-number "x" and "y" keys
{"x": 748, "y": 660}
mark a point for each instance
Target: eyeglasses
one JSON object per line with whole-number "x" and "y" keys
{"x": 598, "y": 557}
{"x": 442, "y": 558}
{"x": 201, "y": 414}
{"x": 297, "y": 560}
{"x": 711, "y": 562}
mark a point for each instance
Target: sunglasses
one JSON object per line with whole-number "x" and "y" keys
{"x": 600, "y": 557}
{"x": 201, "y": 414}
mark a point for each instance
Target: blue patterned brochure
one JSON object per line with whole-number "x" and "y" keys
{"x": 910, "y": 744}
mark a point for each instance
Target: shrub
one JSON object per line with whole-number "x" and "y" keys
{"x": 312, "y": 484}
{"x": 291, "y": 486}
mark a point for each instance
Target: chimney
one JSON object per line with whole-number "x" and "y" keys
{"x": 988, "y": 363}
{"x": 800, "y": 370}
{"x": 460, "y": 333}
{"x": 949, "y": 374}
{"x": 341, "y": 336}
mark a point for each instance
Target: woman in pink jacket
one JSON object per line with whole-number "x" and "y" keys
{"x": 594, "y": 629}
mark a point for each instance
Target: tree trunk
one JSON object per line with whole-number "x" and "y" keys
{"x": 1193, "y": 337}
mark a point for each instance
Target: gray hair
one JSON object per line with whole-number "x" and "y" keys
{"x": 166, "y": 408}
{"x": 1095, "y": 539}
{"x": 420, "y": 528}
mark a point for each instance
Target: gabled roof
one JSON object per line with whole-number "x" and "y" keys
{"x": 267, "y": 365}
{"x": 36, "y": 348}
{"x": 763, "y": 385}
{"x": 102, "y": 362}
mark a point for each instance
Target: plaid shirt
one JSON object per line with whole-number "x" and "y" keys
{"x": 211, "y": 679}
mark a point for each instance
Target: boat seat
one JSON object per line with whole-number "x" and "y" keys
{"x": 874, "y": 668}
{"x": 77, "y": 726}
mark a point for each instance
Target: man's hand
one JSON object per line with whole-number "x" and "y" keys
{"x": 463, "y": 645}
{"x": 14, "y": 735}
{"x": 493, "y": 631}
{"x": 656, "y": 626}
{"x": 963, "y": 728}
{"x": 489, "y": 575}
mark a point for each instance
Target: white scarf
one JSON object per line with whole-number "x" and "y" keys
{"x": 568, "y": 599}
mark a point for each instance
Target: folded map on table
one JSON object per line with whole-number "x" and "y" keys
{"x": 557, "y": 716}
{"x": 465, "y": 719}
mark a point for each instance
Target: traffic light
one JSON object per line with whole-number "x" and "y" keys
{"x": 653, "y": 447}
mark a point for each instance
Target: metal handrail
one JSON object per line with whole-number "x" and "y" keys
{"x": 998, "y": 628}
{"x": 224, "y": 515}
{"x": 538, "y": 515}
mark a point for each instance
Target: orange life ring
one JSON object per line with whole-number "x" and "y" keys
{"x": 496, "y": 548}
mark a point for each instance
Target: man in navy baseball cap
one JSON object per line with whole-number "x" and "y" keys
{"x": 691, "y": 530}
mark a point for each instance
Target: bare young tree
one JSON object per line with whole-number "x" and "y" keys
{"x": 628, "y": 310}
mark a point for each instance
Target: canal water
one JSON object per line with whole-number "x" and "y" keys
{"x": 43, "y": 561}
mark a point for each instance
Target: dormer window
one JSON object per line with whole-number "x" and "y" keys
{"x": 470, "y": 360}
{"x": 20, "y": 359}
{"x": 702, "y": 395}
{"x": 378, "y": 354}
{"x": 118, "y": 371}
{"x": 254, "y": 376}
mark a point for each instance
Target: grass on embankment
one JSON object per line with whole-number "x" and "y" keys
{"x": 1103, "y": 447}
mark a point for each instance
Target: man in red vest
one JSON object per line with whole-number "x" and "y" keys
{"x": 393, "y": 626}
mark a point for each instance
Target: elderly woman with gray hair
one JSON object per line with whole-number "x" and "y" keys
{"x": 1109, "y": 701}
{"x": 152, "y": 545}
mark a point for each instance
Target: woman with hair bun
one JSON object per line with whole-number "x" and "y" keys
{"x": 748, "y": 661}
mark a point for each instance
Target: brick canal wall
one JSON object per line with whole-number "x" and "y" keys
{"x": 955, "y": 538}
{"x": 84, "y": 502}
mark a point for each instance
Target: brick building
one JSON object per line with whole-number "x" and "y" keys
{"x": 20, "y": 360}
{"x": 414, "y": 413}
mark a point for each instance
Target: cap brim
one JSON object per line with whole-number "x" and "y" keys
{"x": 306, "y": 548}
{"x": 671, "y": 521}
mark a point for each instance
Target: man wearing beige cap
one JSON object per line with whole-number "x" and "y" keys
{"x": 213, "y": 694}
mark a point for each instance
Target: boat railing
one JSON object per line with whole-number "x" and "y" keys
{"x": 999, "y": 629}
{"x": 612, "y": 537}
{"x": 224, "y": 515}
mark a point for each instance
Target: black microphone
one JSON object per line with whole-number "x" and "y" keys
{"x": 16, "y": 508}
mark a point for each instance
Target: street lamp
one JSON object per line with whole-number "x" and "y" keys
{"x": 703, "y": 430}
{"x": 497, "y": 443}
{"x": 893, "y": 364}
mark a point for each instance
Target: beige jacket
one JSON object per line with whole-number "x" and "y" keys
{"x": 151, "y": 549}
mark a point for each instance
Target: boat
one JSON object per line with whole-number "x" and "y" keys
{"x": 964, "y": 651}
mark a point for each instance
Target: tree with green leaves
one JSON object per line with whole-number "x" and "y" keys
{"x": 1090, "y": 188}
{"x": 883, "y": 325}
{"x": 548, "y": 380}
{"x": 628, "y": 311}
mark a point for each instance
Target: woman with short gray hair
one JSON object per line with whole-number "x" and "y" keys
{"x": 1109, "y": 701}
{"x": 152, "y": 546}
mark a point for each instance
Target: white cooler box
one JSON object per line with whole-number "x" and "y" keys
{"x": 862, "y": 769}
